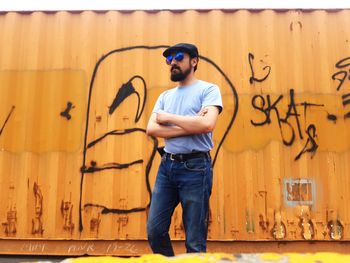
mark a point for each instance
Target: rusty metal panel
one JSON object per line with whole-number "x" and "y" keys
{"x": 54, "y": 247}
{"x": 77, "y": 90}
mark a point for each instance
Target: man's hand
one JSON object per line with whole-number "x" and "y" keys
{"x": 162, "y": 117}
{"x": 202, "y": 112}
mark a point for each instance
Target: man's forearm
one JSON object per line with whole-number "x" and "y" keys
{"x": 165, "y": 131}
{"x": 202, "y": 123}
{"x": 191, "y": 124}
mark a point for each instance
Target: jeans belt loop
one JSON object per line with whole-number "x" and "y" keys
{"x": 207, "y": 154}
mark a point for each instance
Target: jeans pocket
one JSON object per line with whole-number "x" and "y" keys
{"x": 196, "y": 164}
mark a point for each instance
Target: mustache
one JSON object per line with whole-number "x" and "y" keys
{"x": 175, "y": 67}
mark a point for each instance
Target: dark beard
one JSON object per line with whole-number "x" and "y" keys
{"x": 180, "y": 76}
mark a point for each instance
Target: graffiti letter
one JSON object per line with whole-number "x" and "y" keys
{"x": 253, "y": 78}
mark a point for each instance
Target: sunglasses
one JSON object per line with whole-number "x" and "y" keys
{"x": 178, "y": 57}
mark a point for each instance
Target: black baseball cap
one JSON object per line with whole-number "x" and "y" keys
{"x": 191, "y": 49}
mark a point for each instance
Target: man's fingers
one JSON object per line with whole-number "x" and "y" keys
{"x": 202, "y": 112}
{"x": 158, "y": 119}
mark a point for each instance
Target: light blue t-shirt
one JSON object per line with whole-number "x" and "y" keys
{"x": 188, "y": 101}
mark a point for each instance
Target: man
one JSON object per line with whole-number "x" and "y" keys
{"x": 185, "y": 116}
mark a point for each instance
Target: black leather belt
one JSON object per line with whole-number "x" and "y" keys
{"x": 181, "y": 157}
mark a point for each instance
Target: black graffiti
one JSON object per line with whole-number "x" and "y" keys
{"x": 125, "y": 91}
{"x": 282, "y": 122}
{"x": 306, "y": 104}
{"x": 342, "y": 75}
{"x": 332, "y": 117}
{"x": 106, "y": 210}
{"x": 267, "y": 111}
{"x": 65, "y": 113}
{"x": 268, "y": 105}
{"x": 310, "y": 145}
{"x": 253, "y": 78}
{"x": 6, "y": 120}
{"x": 343, "y": 63}
{"x": 346, "y": 99}
{"x": 95, "y": 168}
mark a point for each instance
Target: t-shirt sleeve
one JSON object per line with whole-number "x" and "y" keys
{"x": 212, "y": 97}
{"x": 159, "y": 104}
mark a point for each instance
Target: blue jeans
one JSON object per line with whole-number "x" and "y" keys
{"x": 189, "y": 183}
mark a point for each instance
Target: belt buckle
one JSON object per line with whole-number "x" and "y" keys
{"x": 172, "y": 157}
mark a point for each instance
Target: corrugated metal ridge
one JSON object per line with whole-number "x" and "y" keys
{"x": 230, "y": 10}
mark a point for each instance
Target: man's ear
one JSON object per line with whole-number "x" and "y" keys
{"x": 194, "y": 62}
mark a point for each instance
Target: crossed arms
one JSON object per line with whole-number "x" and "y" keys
{"x": 168, "y": 125}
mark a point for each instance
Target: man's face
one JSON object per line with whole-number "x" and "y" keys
{"x": 179, "y": 70}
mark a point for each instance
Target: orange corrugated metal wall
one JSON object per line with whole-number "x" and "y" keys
{"x": 77, "y": 90}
